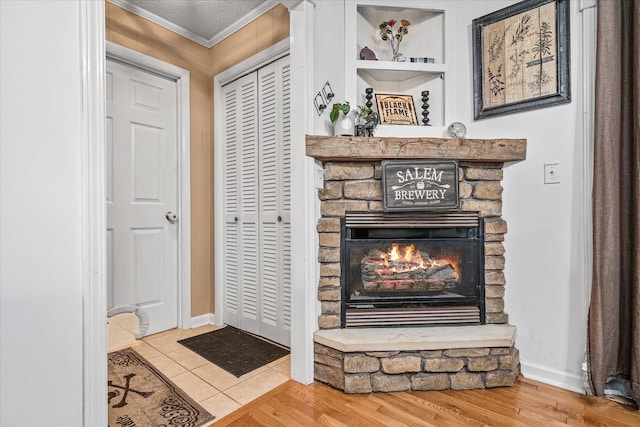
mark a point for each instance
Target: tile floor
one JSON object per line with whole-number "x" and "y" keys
{"x": 212, "y": 387}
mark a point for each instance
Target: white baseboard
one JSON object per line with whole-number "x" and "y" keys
{"x": 202, "y": 320}
{"x": 544, "y": 374}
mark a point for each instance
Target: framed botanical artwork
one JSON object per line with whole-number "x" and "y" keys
{"x": 521, "y": 58}
{"x": 396, "y": 109}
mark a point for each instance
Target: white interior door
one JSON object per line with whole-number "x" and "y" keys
{"x": 257, "y": 199}
{"x": 275, "y": 201}
{"x": 142, "y": 167}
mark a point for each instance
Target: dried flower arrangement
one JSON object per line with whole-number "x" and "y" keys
{"x": 386, "y": 33}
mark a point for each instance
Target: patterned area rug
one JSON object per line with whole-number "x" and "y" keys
{"x": 139, "y": 395}
{"x": 235, "y": 351}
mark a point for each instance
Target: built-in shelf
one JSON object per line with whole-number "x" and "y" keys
{"x": 431, "y": 34}
{"x": 398, "y": 71}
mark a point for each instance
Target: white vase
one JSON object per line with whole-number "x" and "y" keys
{"x": 344, "y": 126}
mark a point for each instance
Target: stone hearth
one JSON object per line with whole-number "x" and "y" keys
{"x": 432, "y": 358}
{"x": 460, "y": 357}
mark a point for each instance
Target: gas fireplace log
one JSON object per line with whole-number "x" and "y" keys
{"x": 381, "y": 275}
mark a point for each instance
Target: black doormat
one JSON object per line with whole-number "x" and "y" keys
{"x": 235, "y": 351}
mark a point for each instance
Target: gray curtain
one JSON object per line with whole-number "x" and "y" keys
{"x": 614, "y": 312}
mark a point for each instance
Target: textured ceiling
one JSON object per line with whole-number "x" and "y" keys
{"x": 204, "y": 18}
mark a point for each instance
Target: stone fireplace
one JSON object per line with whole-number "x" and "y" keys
{"x": 452, "y": 332}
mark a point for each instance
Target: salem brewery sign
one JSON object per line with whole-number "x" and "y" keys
{"x": 420, "y": 185}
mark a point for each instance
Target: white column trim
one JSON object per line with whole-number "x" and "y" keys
{"x": 305, "y": 268}
{"x": 588, "y": 69}
{"x": 94, "y": 290}
{"x": 589, "y": 10}
{"x": 182, "y": 77}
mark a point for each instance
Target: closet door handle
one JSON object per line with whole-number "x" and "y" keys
{"x": 235, "y": 219}
{"x": 279, "y": 218}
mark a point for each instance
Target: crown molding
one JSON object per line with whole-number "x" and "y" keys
{"x": 255, "y": 13}
{"x": 143, "y": 13}
{"x": 208, "y": 43}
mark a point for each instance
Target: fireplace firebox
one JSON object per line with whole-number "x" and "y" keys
{"x": 412, "y": 269}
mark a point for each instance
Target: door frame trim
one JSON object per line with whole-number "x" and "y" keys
{"x": 182, "y": 78}
{"x": 247, "y": 66}
{"x": 94, "y": 210}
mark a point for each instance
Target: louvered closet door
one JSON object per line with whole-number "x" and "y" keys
{"x": 275, "y": 201}
{"x": 257, "y": 254}
{"x": 241, "y": 204}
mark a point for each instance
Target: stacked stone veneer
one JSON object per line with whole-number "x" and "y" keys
{"x": 357, "y": 186}
{"x": 456, "y": 369}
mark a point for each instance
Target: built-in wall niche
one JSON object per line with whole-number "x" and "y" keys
{"x": 430, "y": 35}
{"x": 424, "y": 38}
{"x": 408, "y": 83}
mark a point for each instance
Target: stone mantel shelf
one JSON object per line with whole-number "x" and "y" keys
{"x": 351, "y": 148}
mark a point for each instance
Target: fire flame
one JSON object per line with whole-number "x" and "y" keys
{"x": 408, "y": 259}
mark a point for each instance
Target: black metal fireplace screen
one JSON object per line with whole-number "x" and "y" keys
{"x": 413, "y": 269}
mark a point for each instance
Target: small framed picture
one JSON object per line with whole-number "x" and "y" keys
{"x": 396, "y": 109}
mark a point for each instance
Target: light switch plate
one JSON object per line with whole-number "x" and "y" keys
{"x": 552, "y": 173}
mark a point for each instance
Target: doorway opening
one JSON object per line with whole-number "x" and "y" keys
{"x": 180, "y": 216}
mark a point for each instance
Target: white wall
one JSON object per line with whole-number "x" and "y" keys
{"x": 329, "y": 58}
{"x": 546, "y": 293}
{"x": 41, "y": 381}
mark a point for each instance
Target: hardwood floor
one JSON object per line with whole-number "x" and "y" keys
{"x": 528, "y": 403}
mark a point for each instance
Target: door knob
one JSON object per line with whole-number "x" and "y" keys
{"x": 279, "y": 218}
{"x": 171, "y": 216}
{"x": 235, "y": 219}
